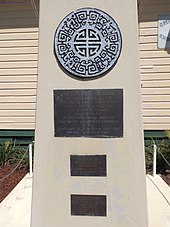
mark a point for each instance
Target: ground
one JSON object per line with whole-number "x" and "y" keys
{"x": 166, "y": 178}
{"x": 8, "y": 183}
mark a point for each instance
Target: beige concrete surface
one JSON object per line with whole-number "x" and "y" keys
{"x": 15, "y": 210}
{"x": 158, "y": 202}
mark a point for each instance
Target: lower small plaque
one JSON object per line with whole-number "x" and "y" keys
{"x": 88, "y": 205}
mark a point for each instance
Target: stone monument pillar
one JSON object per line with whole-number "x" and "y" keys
{"x": 89, "y": 159}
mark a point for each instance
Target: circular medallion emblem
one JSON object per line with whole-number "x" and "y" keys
{"x": 87, "y": 42}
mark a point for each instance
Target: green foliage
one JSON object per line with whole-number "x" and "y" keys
{"x": 163, "y": 149}
{"x": 149, "y": 157}
{"x": 167, "y": 134}
{"x": 12, "y": 154}
{"x": 163, "y": 152}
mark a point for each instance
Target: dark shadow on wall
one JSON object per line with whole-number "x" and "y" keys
{"x": 167, "y": 46}
{"x": 148, "y": 11}
{"x": 19, "y": 14}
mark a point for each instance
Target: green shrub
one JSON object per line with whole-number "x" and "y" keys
{"x": 149, "y": 157}
{"x": 163, "y": 151}
{"x": 12, "y": 154}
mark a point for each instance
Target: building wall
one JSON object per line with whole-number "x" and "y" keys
{"x": 155, "y": 67}
{"x": 18, "y": 64}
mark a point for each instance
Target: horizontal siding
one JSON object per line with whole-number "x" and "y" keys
{"x": 18, "y": 71}
{"x": 155, "y": 113}
{"x": 156, "y": 105}
{"x": 157, "y": 126}
{"x": 18, "y": 65}
{"x": 17, "y": 29}
{"x": 155, "y": 76}
{"x": 155, "y": 98}
{"x": 18, "y": 57}
{"x": 17, "y": 106}
{"x": 155, "y": 61}
{"x": 18, "y": 43}
{"x": 19, "y": 78}
{"x": 157, "y": 120}
{"x": 156, "y": 84}
{"x": 153, "y": 54}
{"x": 17, "y": 119}
{"x": 19, "y": 99}
{"x": 156, "y": 91}
{"x": 26, "y": 125}
{"x": 19, "y": 50}
{"x": 17, "y": 36}
{"x": 17, "y": 92}
{"x": 17, "y": 113}
{"x": 154, "y": 67}
{"x": 16, "y": 85}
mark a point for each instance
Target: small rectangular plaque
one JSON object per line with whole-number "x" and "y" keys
{"x": 88, "y": 205}
{"x": 88, "y": 165}
{"x": 95, "y": 113}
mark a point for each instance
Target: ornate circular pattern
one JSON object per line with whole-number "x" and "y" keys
{"x": 88, "y": 42}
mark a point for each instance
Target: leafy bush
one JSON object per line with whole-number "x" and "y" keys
{"x": 12, "y": 154}
{"x": 163, "y": 152}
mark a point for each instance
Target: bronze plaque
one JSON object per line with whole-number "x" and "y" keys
{"x": 88, "y": 165}
{"x": 88, "y": 205}
{"x": 95, "y": 113}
